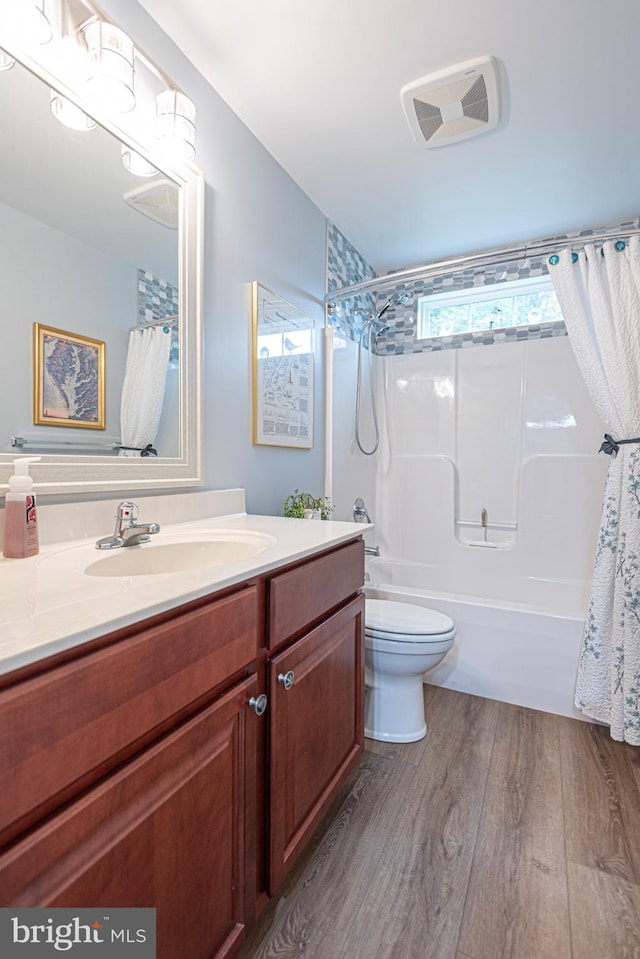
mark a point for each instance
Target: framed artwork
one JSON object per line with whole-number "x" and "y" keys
{"x": 68, "y": 379}
{"x": 283, "y": 372}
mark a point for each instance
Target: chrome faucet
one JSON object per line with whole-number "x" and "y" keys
{"x": 128, "y": 532}
{"x": 360, "y": 514}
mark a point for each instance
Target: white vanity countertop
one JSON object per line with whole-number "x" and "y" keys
{"x": 48, "y": 604}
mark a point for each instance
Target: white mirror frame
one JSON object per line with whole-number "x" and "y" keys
{"x": 58, "y": 474}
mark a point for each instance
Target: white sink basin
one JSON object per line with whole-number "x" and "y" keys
{"x": 167, "y": 552}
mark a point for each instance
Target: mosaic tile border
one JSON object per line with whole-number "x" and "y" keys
{"x": 345, "y": 266}
{"x": 400, "y": 337}
{"x": 511, "y": 334}
{"x": 157, "y": 299}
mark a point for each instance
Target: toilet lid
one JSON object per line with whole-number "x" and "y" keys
{"x": 383, "y": 615}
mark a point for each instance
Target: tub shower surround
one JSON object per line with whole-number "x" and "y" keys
{"x": 508, "y": 436}
{"x": 511, "y": 431}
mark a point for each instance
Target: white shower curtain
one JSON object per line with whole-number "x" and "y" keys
{"x": 599, "y": 293}
{"x": 143, "y": 388}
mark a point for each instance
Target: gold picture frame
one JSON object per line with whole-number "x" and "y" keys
{"x": 283, "y": 352}
{"x": 68, "y": 379}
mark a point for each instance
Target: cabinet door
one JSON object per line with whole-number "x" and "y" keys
{"x": 64, "y": 729}
{"x": 316, "y": 730}
{"x": 165, "y": 831}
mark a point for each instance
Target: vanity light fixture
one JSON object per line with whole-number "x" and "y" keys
{"x": 176, "y": 125}
{"x": 111, "y": 66}
{"x": 97, "y": 59}
{"x": 74, "y": 63}
{"x": 69, "y": 114}
{"x": 29, "y": 20}
{"x": 135, "y": 163}
{"x": 6, "y": 62}
{"x": 34, "y": 20}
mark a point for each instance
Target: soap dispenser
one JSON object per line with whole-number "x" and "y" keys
{"x": 20, "y": 520}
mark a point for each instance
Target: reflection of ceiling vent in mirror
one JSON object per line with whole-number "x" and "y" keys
{"x": 159, "y": 201}
{"x": 453, "y": 104}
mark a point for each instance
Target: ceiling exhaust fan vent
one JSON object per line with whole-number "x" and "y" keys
{"x": 158, "y": 200}
{"x": 453, "y": 104}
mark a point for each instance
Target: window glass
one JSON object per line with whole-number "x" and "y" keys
{"x": 489, "y": 314}
{"x": 517, "y": 303}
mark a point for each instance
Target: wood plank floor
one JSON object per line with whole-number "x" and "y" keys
{"x": 506, "y": 832}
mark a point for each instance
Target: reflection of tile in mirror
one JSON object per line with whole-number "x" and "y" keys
{"x": 158, "y": 300}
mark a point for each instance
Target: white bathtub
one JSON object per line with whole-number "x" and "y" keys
{"x": 511, "y": 652}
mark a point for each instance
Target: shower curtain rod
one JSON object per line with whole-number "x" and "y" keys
{"x": 508, "y": 254}
{"x": 162, "y": 321}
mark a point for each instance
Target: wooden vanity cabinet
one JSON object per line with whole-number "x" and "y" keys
{"x": 134, "y": 766}
{"x": 135, "y": 772}
{"x": 69, "y": 724}
{"x": 315, "y": 676}
{"x": 167, "y": 830}
{"x": 316, "y": 730}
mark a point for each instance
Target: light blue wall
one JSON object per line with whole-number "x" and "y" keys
{"x": 96, "y": 300}
{"x": 259, "y": 226}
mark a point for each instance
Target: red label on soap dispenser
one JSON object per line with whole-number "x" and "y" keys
{"x": 30, "y": 507}
{"x": 31, "y": 531}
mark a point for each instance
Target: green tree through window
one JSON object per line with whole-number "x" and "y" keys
{"x": 521, "y": 303}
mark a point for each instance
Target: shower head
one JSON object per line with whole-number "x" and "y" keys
{"x": 396, "y": 299}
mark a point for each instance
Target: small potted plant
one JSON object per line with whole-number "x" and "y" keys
{"x": 305, "y": 506}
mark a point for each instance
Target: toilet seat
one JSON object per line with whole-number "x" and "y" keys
{"x": 405, "y": 622}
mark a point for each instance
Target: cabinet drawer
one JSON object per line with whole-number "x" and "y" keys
{"x": 304, "y": 595}
{"x": 61, "y": 730}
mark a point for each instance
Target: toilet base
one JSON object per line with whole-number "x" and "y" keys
{"x": 396, "y": 737}
{"x": 394, "y": 708}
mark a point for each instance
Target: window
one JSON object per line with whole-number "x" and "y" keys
{"x": 516, "y": 303}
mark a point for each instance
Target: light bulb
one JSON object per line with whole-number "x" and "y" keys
{"x": 111, "y": 66}
{"x": 135, "y": 163}
{"x": 6, "y": 62}
{"x": 176, "y": 126}
{"x": 69, "y": 114}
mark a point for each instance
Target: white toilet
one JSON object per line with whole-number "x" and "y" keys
{"x": 402, "y": 641}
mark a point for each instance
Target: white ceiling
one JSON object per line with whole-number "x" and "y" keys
{"x": 318, "y": 82}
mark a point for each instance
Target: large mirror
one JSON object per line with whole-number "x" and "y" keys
{"x": 93, "y": 251}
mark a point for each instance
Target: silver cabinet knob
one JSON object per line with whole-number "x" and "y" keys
{"x": 287, "y": 679}
{"x": 259, "y": 704}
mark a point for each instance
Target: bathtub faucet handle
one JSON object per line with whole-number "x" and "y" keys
{"x": 360, "y": 514}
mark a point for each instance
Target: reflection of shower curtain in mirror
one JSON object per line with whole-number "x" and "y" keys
{"x": 143, "y": 388}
